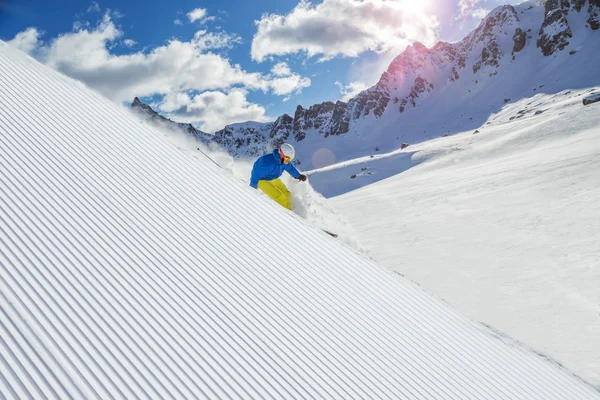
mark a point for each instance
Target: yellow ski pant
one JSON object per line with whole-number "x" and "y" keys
{"x": 276, "y": 190}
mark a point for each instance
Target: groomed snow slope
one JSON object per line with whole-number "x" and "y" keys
{"x": 130, "y": 270}
{"x": 502, "y": 224}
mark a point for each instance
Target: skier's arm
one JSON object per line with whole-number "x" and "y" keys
{"x": 256, "y": 173}
{"x": 292, "y": 170}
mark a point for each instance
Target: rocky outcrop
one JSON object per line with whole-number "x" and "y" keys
{"x": 594, "y": 98}
{"x": 316, "y": 117}
{"x": 447, "y": 51}
{"x": 519, "y": 39}
{"x": 244, "y": 139}
{"x": 282, "y": 129}
{"x": 555, "y": 32}
{"x": 594, "y": 19}
{"x": 593, "y": 22}
{"x": 578, "y": 5}
{"x": 372, "y": 101}
{"x": 421, "y": 86}
{"x": 340, "y": 120}
{"x": 326, "y": 119}
{"x": 487, "y": 34}
{"x": 454, "y": 76}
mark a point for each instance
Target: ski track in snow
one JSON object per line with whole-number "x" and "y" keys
{"x": 131, "y": 269}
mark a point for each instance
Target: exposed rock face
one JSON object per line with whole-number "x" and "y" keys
{"x": 555, "y": 32}
{"x": 340, "y": 120}
{"x": 374, "y": 100}
{"x": 594, "y": 19}
{"x": 593, "y": 22}
{"x": 578, "y": 5}
{"x": 317, "y": 117}
{"x": 487, "y": 34}
{"x": 421, "y": 86}
{"x": 520, "y": 38}
{"x": 454, "y": 76}
{"x": 594, "y": 98}
{"x": 251, "y": 138}
{"x": 282, "y": 129}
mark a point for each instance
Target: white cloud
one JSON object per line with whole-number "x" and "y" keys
{"x": 344, "y": 27}
{"x": 178, "y": 22}
{"x": 196, "y": 14}
{"x": 116, "y": 14}
{"x": 281, "y": 69}
{"x": 472, "y": 8}
{"x": 170, "y": 71}
{"x": 351, "y": 90}
{"x": 95, "y": 7}
{"x": 174, "y": 102}
{"x": 85, "y": 55}
{"x": 221, "y": 40}
{"x": 129, "y": 42}
{"x": 26, "y": 41}
{"x": 286, "y": 82}
{"x": 214, "y": 109}
{"x": 480, "y": 13}
{"x": 465, "y": 5}
{"x": 286, "y": 85}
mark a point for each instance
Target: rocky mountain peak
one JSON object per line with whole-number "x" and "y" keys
{"x": 141, "y": 107}
{"x": 500, "y": 18}
{"x": 447, "y": 50}
{"x": 147, "y": 113}
{"x": 504, "y": 37}
{"x": 409, "y": 60}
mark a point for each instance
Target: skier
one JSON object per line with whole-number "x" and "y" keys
{"x": 267, "y": 170}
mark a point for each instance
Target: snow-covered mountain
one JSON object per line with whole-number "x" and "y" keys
{"x": 149, "y": 114}
{"x": 516, "y": 52}
{"x": 244, "y": 139}
{"x": 499, "y": 223}
{"x": 130, "y": 268}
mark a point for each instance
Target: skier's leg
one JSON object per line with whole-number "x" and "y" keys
{"x": 268, "y": 189}
{"x": 285, "y": 197}
{"x": 276, "y": 190}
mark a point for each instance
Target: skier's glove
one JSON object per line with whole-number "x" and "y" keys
{"x": 302, "y": 178}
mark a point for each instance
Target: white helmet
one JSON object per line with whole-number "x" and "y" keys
{"x": 286, "y": 150}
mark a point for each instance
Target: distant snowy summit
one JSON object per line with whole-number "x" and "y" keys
{"x": 242, "y": 139}
{"x": 499, "y": 40}
{"x": 488, "y": 67}
{"x": 149, "y": 114}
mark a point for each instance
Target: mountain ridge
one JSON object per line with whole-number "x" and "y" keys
{"x": 508, "y": 36}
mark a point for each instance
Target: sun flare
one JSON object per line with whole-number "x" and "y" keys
{"x": 414, "y": 6}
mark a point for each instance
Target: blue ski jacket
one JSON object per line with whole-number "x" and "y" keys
{"x": 269, "y": 167}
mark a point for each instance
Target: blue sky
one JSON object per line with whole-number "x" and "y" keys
{"x": 218, "y": 62}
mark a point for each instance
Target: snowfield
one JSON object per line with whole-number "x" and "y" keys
{"x": 503, "y": 224}
{"x": 132, "y": 269}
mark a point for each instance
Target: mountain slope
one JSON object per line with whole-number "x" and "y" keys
{"x": 129, "y": 269}
{"x": 516, "y": 52}
{"x": 500, "y": 224}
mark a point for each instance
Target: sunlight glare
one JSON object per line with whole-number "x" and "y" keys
{"x": 415, "y": 6}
